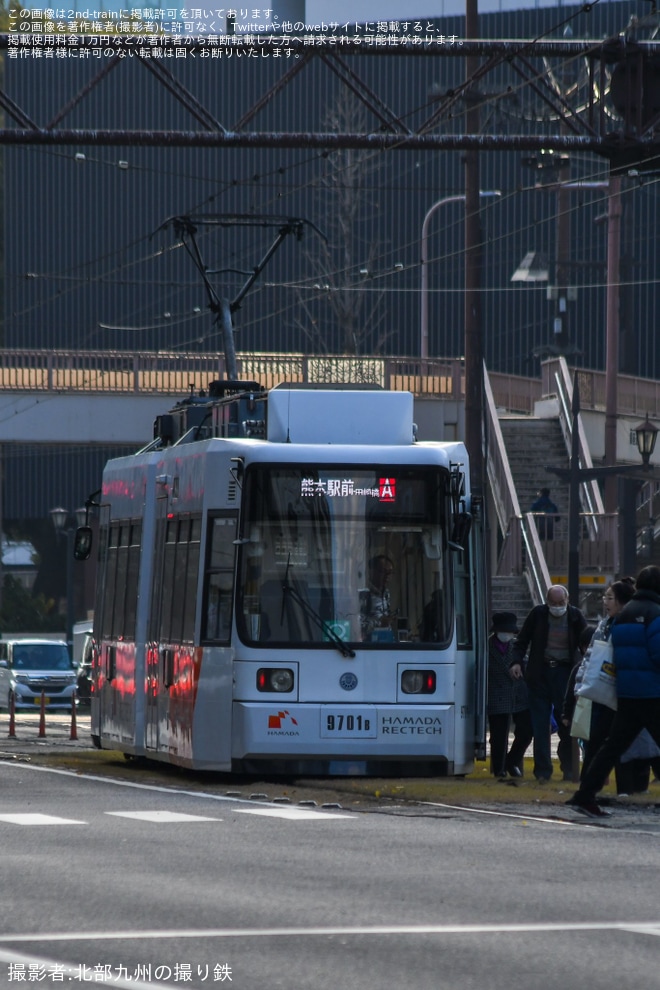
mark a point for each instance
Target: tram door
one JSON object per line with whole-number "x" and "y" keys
{"x": 101, "y": 701}
{"x": 153, "y": 658}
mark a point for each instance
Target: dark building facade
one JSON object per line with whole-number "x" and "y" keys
{"x": 90, "y": 262}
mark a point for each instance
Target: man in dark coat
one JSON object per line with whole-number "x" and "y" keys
{"x": 550, "y": 635}
{"x": 635, "y": 639}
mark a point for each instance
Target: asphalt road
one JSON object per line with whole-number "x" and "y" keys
{"x": 351, "y": 793}
{"x": 130, "y": 885}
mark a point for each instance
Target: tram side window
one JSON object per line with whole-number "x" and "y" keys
{"x": 463, "y": 600}
{"x": 101, "y": 580}
{"x": 120, "y": 589}
{"x": 167, "y": 594}
{"x": 153, "y": 618}
{"x": 132, "y": 576}
{"x": 110, "y": 574}
{"x": 191, "y": 581}
{"x": 219, "y": 579}
{"x": 179, "y": 580}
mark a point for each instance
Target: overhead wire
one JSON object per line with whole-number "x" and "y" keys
{"x": 315, "y": 181}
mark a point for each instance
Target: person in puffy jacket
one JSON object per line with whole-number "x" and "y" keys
{"x": 635, "y": 638}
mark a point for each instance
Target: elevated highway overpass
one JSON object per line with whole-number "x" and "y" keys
{"x": 107, "y": 397}
{"x": 82, "y": 397}
{"x": 113, "y": 397}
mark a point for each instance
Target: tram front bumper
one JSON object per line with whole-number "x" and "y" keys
{"x": 327, "y": 730}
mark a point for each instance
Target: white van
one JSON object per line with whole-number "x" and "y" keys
{"x": 30, "y": 666}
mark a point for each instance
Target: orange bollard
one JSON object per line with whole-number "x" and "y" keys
{"x": 42, "y": 716}
{"x": 74, "y": 728}
{"x": 12, "y": 717}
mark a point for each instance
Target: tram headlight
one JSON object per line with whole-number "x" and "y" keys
{"x": 418, "y": 682}
{"x": 278, "y": 679}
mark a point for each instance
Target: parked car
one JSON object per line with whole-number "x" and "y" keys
{"x": 29, "y": 667}
{"x": 84, "y": 682}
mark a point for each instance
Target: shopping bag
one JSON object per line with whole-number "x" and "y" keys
{"x": 599, "y": 681}
{"x": 581, "y": 724}
{"x": 643, "y": 748}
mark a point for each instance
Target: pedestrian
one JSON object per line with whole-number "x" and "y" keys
{"x": 507, "y": 701}
{"x": 616, "y": 596}
{"x": 635, "y": 639}
{"x": 550, "y": 637}
{"x": 546, "y": 513}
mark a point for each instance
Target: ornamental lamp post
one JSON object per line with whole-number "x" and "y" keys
{"x": 65, "y": 524}
{"x": 645, "y": 435}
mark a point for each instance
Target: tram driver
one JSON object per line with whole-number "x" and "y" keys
{"x": 376, "y": 612}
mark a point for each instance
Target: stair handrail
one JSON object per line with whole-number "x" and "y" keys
{"x": 537, "y": 571}
{"x": 512, "y": 522}
{"x": 590, "y": 496}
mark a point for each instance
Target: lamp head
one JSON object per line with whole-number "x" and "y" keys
{"x": 59, "y": 517}
{"x": 646, "y": 434}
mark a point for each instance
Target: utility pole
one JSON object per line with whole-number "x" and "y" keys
{"x": 561, "y": 330}
{"x": 612, "y": 333}
{"x": 472, "y": 318}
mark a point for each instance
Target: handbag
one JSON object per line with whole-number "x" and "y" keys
{"x": 599, "y": 680}
{"x": 581, "y": 724}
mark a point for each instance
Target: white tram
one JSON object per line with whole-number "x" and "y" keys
{"x": 291, "y": 583}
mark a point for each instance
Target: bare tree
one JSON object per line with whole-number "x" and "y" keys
{"x": 347, "y": 313}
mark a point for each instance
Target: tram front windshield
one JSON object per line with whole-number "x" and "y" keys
{"x": 344, "y": 554}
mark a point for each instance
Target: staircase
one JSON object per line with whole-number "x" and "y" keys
{"x": 521, "y": 448}
{"x": 532, "y": 445}
{"x": 510, "y": 593}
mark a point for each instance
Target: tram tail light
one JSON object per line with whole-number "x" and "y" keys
{"x": 418, "y": 682}
{"x": 278, "y": 679}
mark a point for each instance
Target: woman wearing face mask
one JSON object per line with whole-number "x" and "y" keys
{"x": 507, "y": 701}
{"x": 551, "y": 635}
{"x": 616, "y": 596}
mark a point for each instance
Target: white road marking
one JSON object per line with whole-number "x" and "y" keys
{"x": 277, "y": 810}
{"x": 644, "y": 929}
{"x": 639, "y": 927}
{"x": 294, "y": 814}
{"x": 34, "y": 818}
{"x": 601, "y": 825}
{"x": 205, "y": 795}
{"x": 512, "y": 814}
{"x": 161, "y": 816}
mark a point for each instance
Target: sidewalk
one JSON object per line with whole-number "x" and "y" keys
{"x": 57, "y": 728}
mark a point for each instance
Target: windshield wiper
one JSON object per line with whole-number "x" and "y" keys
{"x": 310, "y": 611}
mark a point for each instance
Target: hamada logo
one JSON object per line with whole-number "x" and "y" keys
{"x": 275, "y": 721}
{"x": 387, "y": 490}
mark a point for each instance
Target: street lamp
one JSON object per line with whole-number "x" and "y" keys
{"x": 424, "y": 282}
{"x": 66, "y": 523}
{"x": 646, "y": 434}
